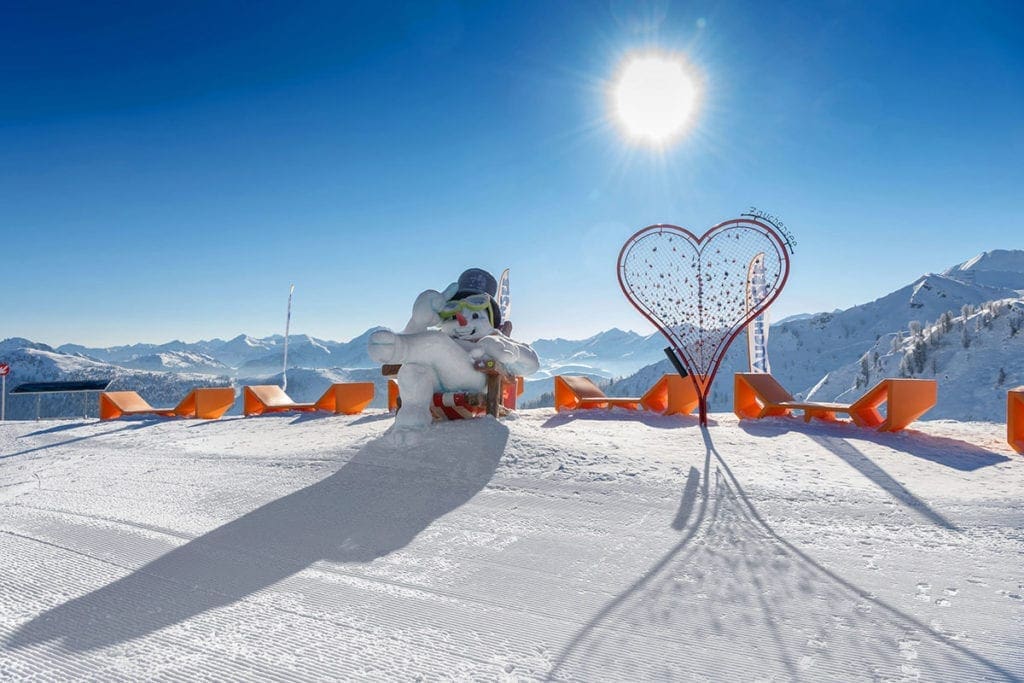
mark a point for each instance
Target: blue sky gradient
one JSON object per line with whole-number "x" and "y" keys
{"x": 168, "y": 169}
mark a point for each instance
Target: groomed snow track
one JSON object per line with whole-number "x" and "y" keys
{"x": 587, "y": 547}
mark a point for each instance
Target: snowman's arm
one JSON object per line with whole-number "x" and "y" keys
{"x": 515, "y": 357}
{"x": 426, "y": 307}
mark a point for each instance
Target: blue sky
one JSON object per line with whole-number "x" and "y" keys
{"x": 168, "y": 169}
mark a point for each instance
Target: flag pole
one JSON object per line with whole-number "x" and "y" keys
{"x": 287, "y": 324}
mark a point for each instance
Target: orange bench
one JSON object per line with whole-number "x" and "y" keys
{"x": 207, "y": 403}
{"x": 758, "y": 395}
{"x": 346, "y": 398}
{"x": 270, "y": 398}
{"x": 1015, "y": 418}
{"x": 341, "y": 398}
{"x": 670, "y": 395}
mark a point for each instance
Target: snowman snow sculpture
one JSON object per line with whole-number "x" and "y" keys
{"x": 440, "y": 349}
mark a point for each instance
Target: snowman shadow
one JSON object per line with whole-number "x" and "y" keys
{"x": 376, "y": 503}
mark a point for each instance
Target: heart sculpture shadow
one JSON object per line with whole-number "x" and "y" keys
{"x": 701, "y": 292}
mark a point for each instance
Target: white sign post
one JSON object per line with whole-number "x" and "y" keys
{"x": 287, "y": 324}
{"x": 5, "y": 370}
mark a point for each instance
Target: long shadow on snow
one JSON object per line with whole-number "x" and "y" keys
{"x": 655, "y": 420}
{"x": 583, "y": 643}
{"x": 960, "y": 455}
{"x": 36, "y": 449}
{"x": 835, "y": 439}
{"x": 733, "y": 597}
{"x": 377, "y": 503}
{"x": 866, "y": 466}
{"x": 59, "y": 428}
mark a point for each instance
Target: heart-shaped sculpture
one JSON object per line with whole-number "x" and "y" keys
{"x": 696, "y": 290}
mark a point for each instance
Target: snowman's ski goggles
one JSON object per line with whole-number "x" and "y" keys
{"x": 475, "y": 302}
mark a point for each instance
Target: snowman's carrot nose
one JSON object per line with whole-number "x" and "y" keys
{"x": 461, "y": 318}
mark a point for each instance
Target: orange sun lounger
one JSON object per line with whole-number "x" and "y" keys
{"x": 341, "y": 398}
{"x": 670, "y": 395}
{"x": 758, "y": 395}
{"x": 346, "y": 398}
{"x": 1015, "y": 418}
{"x": 207, "y": 403}
{"x": 270, "y": 398}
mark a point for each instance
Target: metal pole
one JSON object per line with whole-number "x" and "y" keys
{"x": 287, "y": 323}
{"x": 675, "y": 361}
{"x": 3, "y": 400}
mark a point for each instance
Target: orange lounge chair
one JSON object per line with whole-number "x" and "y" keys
{"x": 206, "y": 403}
{"x": 578, "y": 391}
{"x": 346, "y": 398}
{"x": 758, "y": 395}
{"x": 670, "y": 395}
{"x": 270, "y": 398}
{"x": 1015, "y": 418}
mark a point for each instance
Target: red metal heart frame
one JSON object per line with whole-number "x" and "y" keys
{"x": 694, "y": 289}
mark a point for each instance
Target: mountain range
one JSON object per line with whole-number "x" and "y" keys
{"x": 812, "y": 356}
{"x": 823, "y": 356}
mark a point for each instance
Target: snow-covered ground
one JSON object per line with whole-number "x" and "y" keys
{"x": 594, "y": 546}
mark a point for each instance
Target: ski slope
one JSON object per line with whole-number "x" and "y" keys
{"x": 549, "y": 547}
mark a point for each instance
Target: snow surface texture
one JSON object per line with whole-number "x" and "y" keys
{"x": 595, "y": 546}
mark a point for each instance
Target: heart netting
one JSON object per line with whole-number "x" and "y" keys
{"x": 696, "y": 290}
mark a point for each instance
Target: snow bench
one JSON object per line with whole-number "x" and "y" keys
{"x": 1015, "y": 418}
{"x": 499, "y": 397}
{"x": 758, "y": 395}
{"x": 206, "y": 403}
{"x": 341, "y": 398}
{"x": 670, "y": 395}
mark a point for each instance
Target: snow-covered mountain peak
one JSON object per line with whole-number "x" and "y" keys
{"x": 997, "y": 259}
{"x": 996, "y": 268}
{"x": 974, "y": 357}
{"x": 13, "y": 344}
{"x": 317, "y": 344}
{"x": 40, "y": 354}
{"x": 246, "y": 340}
{"x": 177, "y": 361}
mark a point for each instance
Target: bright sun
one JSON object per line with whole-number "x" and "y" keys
{"x": 654, "y": 98}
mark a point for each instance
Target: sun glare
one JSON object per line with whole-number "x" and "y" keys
{"x": 654, "y": 98}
